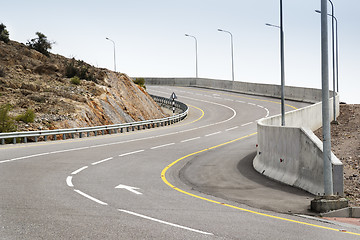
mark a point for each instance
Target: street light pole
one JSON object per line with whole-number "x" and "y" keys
{"x": 333, "y": 57}
{"x": 114, "y": 53}
{"x": 196, "y": 54}
{"x": 232, "y": 51}
{"x": 282, "y": 63}
{"x": 328, "y": 182}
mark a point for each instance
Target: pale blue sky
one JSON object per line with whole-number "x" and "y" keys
{"x": 150, "y": 37}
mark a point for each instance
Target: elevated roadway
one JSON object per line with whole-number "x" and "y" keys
{"x": 191, "y": 180}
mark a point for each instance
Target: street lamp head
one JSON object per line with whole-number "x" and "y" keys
{"x": 186, "y": 35}
{"x": 318, "y": 11}
{"x": 220, "y": 30}
{"x": 107, "y": 38}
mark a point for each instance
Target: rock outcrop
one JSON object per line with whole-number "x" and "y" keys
{"x": 30, "y": 80}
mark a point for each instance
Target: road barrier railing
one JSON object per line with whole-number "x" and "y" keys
{"x": 105, "y": 129}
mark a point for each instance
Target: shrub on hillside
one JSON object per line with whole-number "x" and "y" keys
{"x": 27, "y": 117}
{"x": 40, "y": 44}
{"x": 6, "y": 122}
{"x": 75, "y": 80}
{"x": 140, "y": 82}
{"x": 4, "y": 34}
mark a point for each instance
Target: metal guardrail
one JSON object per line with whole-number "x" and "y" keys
{"x": 72, "y": 132}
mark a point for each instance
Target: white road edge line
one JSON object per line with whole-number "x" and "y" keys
{"x": 90, "y": 197}
{"x": 101, "y": 161}
{"x": 229, "y": 129}
{"x": 68, "y": 181}
{"x": 165, "y": 145}
{"x": 79, "y": 170}
{"x": 208, "y": 135}
{"x": 246, "y": 124}
{"x": 164, "y": 222}
{"x": 190, "y": 139}
{"x": 129, "y": 153}
{"x": 20, "y": 158}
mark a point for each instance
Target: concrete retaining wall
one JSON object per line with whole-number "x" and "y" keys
{"x": 293, "y": 154}
{"x": 292, "y": 93}
{"x": 290, "y": 154}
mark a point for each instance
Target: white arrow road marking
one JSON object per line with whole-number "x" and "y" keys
{"x": 131, "y": 189}
{"x": 163, "y": 222}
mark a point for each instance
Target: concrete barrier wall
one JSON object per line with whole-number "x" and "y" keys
{"x": 290, "y": 154}
{"x": 293, "y": 154}
{"x": 292, "y": 93}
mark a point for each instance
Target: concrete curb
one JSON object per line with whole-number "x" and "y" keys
{"x": 349, "y": 212}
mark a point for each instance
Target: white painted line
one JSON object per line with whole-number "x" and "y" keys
{"x": 228, "y": 99}
{"x": 165, "y": 145}
{"x": 260, "y": 106}
{"x": 69, "y": 150}
{"x": 267, "y": 112}
{"x": 247, "y": 124}
{"x": 211, "y": 134}
{"x": 190, "y": 139}
{"x": 252, "y": 104}
{"x": 68, "y": 181}
{"x": 129, "y": 153}
{"x": 207, "y": 96}
{"x": 90, "y": 197}
{"x": 218, "y": 98}
{"x": 25, "y": 157}
{"x": 101, "y": 161}
{"x": 164, "y": 222}
{"x": 79, "y": 170}
{"x": 229, "y": 129}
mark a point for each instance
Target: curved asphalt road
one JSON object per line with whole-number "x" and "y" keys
{"x": 191, "y": 180}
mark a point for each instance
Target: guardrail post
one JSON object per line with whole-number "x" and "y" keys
{"x": 102, "y": 132}
{"x": 80, "y": 134}
{"x": 55, "y": 137}
{"x": 64, "y": 136}
{"x": 25, "y": 139}
{"x": 72, "y": 135}
{"x": 45, "y": 138}
{"x": 14, "y": 140}
{"x": 88, "y": 134}
{"x": 2, "y": 141}
{"x": 95, "y": 133}
{"x": 121, "y": 130}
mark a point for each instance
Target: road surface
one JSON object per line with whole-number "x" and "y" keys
{"x": 190, "y": 180}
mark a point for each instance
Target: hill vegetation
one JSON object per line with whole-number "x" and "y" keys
{"x": 47, "y": 91}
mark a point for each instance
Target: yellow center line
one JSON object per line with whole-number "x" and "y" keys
{"x": 163, "y": 177}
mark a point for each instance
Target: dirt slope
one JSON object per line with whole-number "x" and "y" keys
{"x": 345, "y": 144}
{"x": 30, "y": 80}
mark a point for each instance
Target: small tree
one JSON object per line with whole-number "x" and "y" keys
{"x": 6, "y": 123}
{"x": 4, "y": 34}
{"x": 40, "y": 44}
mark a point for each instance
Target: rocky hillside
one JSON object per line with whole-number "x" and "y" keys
{"x": 30, "y": 80}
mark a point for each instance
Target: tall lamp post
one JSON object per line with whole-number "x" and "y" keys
{"x": 114, "y": 53}
{"x": 328, "y": 181}
{"x": 281, "y": 63}
{"x": 335, "y": 59}
{"x": 232, "y": 51}
{"x": 196, "y": 54}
